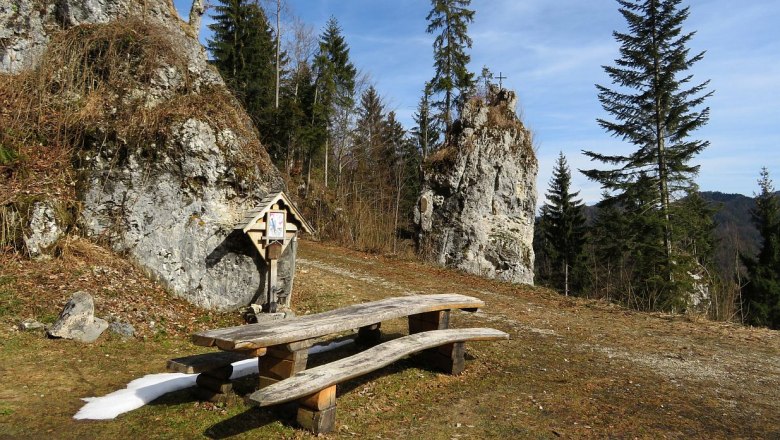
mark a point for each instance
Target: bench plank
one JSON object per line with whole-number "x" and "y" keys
{"x": 308, "y": 382}
{"x": 199, "y": 363}
{"x": 266, "y": 334}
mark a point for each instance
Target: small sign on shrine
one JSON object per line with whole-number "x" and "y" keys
{"x": 272, "y": 227}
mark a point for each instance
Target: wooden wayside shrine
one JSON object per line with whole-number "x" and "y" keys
{"x": 272, "y": 226}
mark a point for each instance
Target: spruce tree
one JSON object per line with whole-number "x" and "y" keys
{"x": 243, "y": 51}
{"x": 761, "y": 296}
{"x": 656, "y": 108}
{"x": 564, "y": 224}
{"x": 335, "y": 85}
{"x": 369, "y": 148}
{"x": 425, "y": 133}
{"x": 336, "y": 73}
{"x": 695, "y": 231}
{"x": 608, "y": 249}
{"x": 450, "y": 18}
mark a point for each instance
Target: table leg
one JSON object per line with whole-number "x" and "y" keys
{"x": 424, "y": 322}
{"x": 369, "y": 335}
{"x": 282, "y": 361}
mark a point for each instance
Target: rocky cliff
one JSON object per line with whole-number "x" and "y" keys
{"x": 166, "y": 162}
{"x": 476, "y": 208}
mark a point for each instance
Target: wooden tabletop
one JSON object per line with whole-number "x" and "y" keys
{"x": 301, "y": 328}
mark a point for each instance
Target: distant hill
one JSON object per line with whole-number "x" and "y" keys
{"x": 733, "y": 217}
{"x": 735, "y": 231}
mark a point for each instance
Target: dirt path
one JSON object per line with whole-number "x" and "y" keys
{"x": 573, "y": 367}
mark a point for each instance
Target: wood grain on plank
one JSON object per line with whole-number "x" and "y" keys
{"x": 266, "y": 334}
{"x": 308, "y": 382}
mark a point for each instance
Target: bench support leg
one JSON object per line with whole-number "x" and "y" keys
{"x": 281, "y": 362}
{"x": 215, "y": 385}
{"x": 449, "y": 358}
{"x": 317, "y": 413}
{"x": 369, "y": 335}
{"x": 424, "y": 322}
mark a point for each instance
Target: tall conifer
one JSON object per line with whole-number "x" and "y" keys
{"x": 656, "y": 108}
{"x": 564, "y": 222}
{"x": 335, "y": 85}
{"x": 243, "y": 50}
{"x": 425, "y": 133}
{"x": 761, "y": 296}
{"x": 450, "y": 18}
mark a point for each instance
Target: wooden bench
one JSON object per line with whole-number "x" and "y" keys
{"x": 213, "y": 369}
{"x": 315, "y": 389}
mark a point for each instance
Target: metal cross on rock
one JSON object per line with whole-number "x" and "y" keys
{"x": 501, "y": 77}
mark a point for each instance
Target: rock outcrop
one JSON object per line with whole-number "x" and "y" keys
{"x": 477, "y": 204}
{"x": 168, "y": 162}
{"x": 43, "y": 231}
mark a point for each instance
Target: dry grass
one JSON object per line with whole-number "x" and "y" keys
{"x": 39, "y": 289}
{"x": 573, "y": 368}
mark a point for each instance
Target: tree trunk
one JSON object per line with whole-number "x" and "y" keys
{"x": 326, "y": 162}
{"x": 660, "y": 131}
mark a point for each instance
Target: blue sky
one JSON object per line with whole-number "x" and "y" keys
{"x": 552, "y": 53}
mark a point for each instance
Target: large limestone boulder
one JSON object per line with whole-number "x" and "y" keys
{"x": 167, "y": 161}
{"x": 476, "y": 208}
{"x": 77, "y": 320}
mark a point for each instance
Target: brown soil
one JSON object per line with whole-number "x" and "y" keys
{"x": 573, "y": 368}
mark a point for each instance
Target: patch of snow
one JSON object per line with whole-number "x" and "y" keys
{"x": 137, "y": 394}
{"x": 141, "y": 391}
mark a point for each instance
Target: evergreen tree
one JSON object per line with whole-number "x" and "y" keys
{"x": 608, "y": 249}
{"x": 370, "y": 148}
{"x": 403, "y": 154}
{"x": 243, "y": 50}
{"x": 335, "y": 85}
{"x": 564, "y": 224}
{"x": 656, "y": 109}
{"x": 761, "y": 296}
{"x": 450, "y": 18}
{"x": 294, "y": 122}
{"x": 336, "y": 73}
{"x": 425, "y": 133}
{"x": 695, "y": 234}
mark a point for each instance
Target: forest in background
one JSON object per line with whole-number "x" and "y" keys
{"x": 356, "y": 170}
{"x": 654, "y": 243}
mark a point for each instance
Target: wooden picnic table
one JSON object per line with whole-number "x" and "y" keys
{"x": 282, "y": 347}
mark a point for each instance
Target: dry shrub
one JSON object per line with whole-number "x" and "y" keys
{"x": 82, "y": 83}
{"x": 503, "y": 118}
{"x": 441, "y": 159}
{"x": 353, "y": 219}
